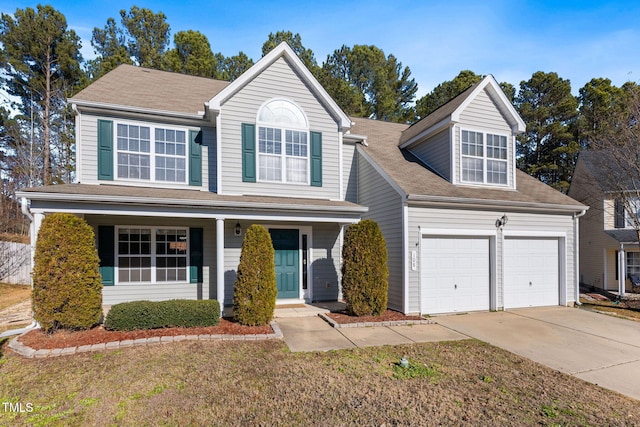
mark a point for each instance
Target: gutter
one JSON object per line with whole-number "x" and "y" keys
{"x": 24, "y": 206}
{"x": 463, "y": 202}
{"x": 132, "y": 109}
{"x": 187, "y": 202}
{"x": 576, "y": 257}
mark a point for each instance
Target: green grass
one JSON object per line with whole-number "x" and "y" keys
{"x": 263, "y": 383}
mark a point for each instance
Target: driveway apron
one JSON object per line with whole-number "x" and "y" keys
{"x": 594, "y": 347}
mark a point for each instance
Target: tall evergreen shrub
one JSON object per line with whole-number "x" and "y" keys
{"x": 67, "y": 289}
{"x": 365, "y": 273}
{"x": 255, "y": 292}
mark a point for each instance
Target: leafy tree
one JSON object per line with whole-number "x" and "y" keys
{"x": 295, "y": 42}
{"x": 548, "y": 149}
{"x": 448, "y": 90}
{"x": 230, "y": 68}
{"x": 141, "y": 39}
{"x": 191, "y": 55}
{"x": 378, "y": 83}
{"x": 255, "y": 291}
{"x": 365, "y": 272}
{"x": 67, "y": 288}
{"x": 599, "y": 99}
{"x": 445, "y": 92}
{"x": 41, "y": 60}
{"x": 109, "y": 44}
{"x": 148, "y": 35}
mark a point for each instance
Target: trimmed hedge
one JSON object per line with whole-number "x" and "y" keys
{"x": 128, "y": 316}
{"x": 365, "y": 274}
{"x": 255, "y": 291}
{"x": 67, "y": 288}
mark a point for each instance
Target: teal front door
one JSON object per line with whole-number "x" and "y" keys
{"x": 285, "y": 243}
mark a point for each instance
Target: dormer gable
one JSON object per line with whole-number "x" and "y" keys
{"x": 471, "y": 139}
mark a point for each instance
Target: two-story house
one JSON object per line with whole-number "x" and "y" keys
{"x": 609, "y": 250}
{"x": 173, "y": 168}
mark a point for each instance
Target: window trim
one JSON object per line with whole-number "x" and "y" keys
{"x": 152, "y": 153}
{"x": 484, "y": 158}
{"x": 283, "y": 144}
{"x": 153, "y": 255}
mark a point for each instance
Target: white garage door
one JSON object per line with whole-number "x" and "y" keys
{"x": 530, "y": 272}
{"x": 454, "y": 274}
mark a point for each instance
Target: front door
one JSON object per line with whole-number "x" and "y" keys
{"x": 287, "y": 260}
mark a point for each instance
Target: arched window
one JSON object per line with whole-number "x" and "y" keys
{"x": 283, "y": 143}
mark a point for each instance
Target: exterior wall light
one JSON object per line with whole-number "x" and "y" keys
{"x": 501, "y": 222}
{"x": 238, "y": 229}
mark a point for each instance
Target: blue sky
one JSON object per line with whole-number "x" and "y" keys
{"x": 437, "y": 39}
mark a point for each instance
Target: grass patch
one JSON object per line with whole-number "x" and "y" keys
{"x": 611, "y": 307}
{"x": 13, "y": 294}
{"x": 263, "y": 383}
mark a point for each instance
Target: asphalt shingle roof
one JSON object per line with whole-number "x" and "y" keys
{"x": 132, "y": 86}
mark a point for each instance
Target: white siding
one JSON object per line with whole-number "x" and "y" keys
{"x": 483, "y": 115}
{"x": 160, "y": 291}
{"x": 325, "y": 262}
{"x": 350, "y": 172}
{"x": 450, "y": 219}
{"x": 278, "y": 81}
{"x": 436, "y": 153}
{"x": 89, "y": 153}
{"x": 385, "y": 207}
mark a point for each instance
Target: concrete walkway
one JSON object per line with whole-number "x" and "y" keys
{"x": 315, "y": 334}
{"x": 601, "y": 349}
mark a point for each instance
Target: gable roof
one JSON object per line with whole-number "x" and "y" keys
{"x": 139, "y": 89}
{"x": 611, "y": 171}
{"x": 423, "y": 185}
{"x": 282, "y": 51}
{"x": 450, "y": 112}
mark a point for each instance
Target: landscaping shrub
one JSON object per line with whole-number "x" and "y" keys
{"x": 67, "y": 288}
{"x": 255, "y": 291}
{"x": 364, "y": 269}
{"x": 128, "y": 316}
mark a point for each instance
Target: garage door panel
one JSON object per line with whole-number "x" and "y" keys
{"x": 531, "y": 272}
{"x": 454, "y": 274}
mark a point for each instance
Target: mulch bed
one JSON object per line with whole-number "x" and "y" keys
{"x": 39, "y": 340}
{"x": 388, "y": 316}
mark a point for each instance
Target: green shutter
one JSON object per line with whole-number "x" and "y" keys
{"x": 195, "y": 255}
{"x": 106, "y": 252}
{"x": 316, "y": 159}
{"x": 105, "y": 150}
{"x": 195, "y": 158}
{"x": 248, "y": 152}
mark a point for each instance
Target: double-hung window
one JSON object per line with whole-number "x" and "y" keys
{"x": 150, "y": 255}
{"x": 151, "y": 153}
{"x": 283, "y": 143}
{"x": 484, "y": 158}
{"x": 633, "y": 263}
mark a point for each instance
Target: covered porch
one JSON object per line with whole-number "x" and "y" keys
{"x": 622, "y": 262}
{"x": 161, "y": 244}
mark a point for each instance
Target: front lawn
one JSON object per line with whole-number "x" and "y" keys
{"x": 13, "y": 294}
{"x": 262, "y": 383}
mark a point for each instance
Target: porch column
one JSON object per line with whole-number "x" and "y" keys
{"x": 220, "y": 263}
{"x": 622, "y": 270}
{"x": 34, "y": 229}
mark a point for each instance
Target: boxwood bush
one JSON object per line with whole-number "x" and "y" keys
{"x": 128, "y": 316}
{"x": 365, "y": 273}
{"x": 67, "y": 288}
{"x": 255, "y": 291}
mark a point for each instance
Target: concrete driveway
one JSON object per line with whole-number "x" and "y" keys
{"x": 601, "y": 349}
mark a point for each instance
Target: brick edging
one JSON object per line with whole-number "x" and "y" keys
{"x": 30, "y": 353}
{"x": 337, "y": 325}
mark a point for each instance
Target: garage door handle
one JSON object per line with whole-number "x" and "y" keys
{"x": 530, "y": 284}
{"x": 455, "y": 286}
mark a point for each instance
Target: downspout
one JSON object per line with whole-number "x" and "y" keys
{"x": 576, "y": 256}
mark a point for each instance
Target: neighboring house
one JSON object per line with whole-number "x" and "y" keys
{"x": 609, "y": 252}
{"x": 174, "y": 168}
